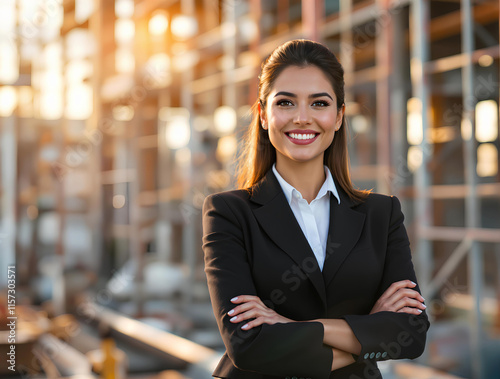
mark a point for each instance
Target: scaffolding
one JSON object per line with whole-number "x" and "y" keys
{"x": 415, "y": 71}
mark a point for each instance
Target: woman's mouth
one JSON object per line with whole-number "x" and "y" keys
{"x": 302, "y": 138}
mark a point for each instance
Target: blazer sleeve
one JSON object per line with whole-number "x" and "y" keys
{"x": 283, "y": 349}
{"x": 391, "y": 335}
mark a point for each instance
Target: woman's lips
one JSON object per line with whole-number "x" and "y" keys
{"x": 302, "y": 138}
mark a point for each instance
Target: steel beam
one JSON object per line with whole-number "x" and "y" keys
{"x": 420, "y": 87}
{"x": 312, "y": 18}
{"x": 383, "y": 53}
{"x": 472, "y": 216}
{"x": 8, "y": 170}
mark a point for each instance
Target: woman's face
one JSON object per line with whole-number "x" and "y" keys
{"x": 301, "y": 115}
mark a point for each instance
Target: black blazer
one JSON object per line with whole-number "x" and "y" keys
{"x": 253, "y": 245}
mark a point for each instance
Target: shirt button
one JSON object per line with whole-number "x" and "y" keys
{"x": 297, "y": 195}
{"x": 366, "y": 356}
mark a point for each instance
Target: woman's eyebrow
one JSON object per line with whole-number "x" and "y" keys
{"x": 312, "y": 96}
{"x": 321, "y": 94}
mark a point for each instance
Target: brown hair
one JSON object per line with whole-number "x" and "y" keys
{"x": 258, "y": 154}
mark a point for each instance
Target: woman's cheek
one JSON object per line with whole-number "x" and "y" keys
{"x": 279, "y": 119}
{"x": 327, "y": 122}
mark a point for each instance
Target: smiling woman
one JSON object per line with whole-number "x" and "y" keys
{"x": 301, "y": 118}
{"x": 308, "y": 276}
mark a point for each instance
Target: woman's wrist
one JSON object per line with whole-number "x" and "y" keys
{"x": 338, "y": 334}
{"x": 341, "y": 359}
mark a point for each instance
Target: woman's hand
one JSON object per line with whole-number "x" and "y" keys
{"x": 252, "y": 307}
{"x": 399, "y": 297}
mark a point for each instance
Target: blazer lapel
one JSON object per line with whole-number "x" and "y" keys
{"x": 344, "y": 231}
{"x": 279, "y": 223}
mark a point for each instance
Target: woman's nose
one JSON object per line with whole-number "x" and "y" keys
{"x": 302, "y": 116}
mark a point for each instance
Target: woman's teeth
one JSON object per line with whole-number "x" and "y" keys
{"x": 302, "y": 136}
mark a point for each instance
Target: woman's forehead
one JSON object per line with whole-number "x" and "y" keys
{"x": 302, "y": 80}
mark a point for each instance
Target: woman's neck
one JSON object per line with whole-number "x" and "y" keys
{"x": 306, "y": 177}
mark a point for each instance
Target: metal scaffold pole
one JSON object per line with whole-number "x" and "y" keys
{"x": 312, "y": 17}
{"x": 420, "y": 89}
{"x": 8, "y": 169}
{"x": 472, "y": 216}
{"x": 189, "y": 231}
{"x": 384, "y": 48}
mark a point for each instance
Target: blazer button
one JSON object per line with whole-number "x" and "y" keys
{"x": 384, "y": 354}
{"x": 372, "y": 355}
{"x": 378, "y": 355}
{"x": 366, "y": 356}
{"x": 294, "y": 377}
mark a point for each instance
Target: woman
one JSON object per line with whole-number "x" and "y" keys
{"x": 308, "y": 277}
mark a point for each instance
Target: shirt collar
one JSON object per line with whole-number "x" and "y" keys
{"x": 288, "y": 189}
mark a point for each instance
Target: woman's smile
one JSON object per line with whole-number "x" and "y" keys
{"x": 301, "y": 115}
{"x": 302, "y": 137}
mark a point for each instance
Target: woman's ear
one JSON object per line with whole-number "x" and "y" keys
{"x": 340, "y": 117}
{"x": 262, "y": 115}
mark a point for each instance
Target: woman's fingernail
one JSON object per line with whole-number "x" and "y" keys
{"x": 234, "y": 298}
{"x": 234, "y": 318}
{"x": 423, "y": 305}
{"x": 413, "y": 283}
{"x": 419, "y": 310}
{"x": 244, "y": 326}
{"x": 230, "y": 312}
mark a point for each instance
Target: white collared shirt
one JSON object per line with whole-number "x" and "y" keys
{"x": 314, "y": 217}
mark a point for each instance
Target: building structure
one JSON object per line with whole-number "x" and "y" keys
{"x": 119, "y": 117}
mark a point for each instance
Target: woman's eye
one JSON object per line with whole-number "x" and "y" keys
{"x": 321, "y": 103}
{"x": 284, "y": 103}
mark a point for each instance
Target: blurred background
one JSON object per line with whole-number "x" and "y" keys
{"x": 118, "y": 117}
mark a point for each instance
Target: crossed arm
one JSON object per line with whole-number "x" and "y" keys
{"x": 252, "y": 347}
{"x": 399, "y": 297}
